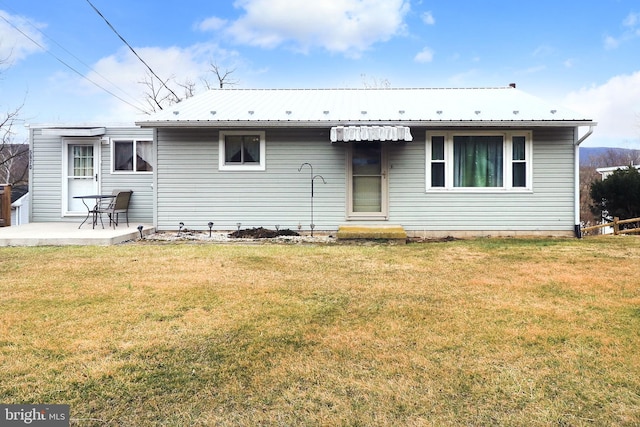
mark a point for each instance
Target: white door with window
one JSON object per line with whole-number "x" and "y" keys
{"x": 81, "y": 174}
{"x": 367, "y": 176}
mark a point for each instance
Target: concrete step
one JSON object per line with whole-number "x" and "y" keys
{"x": 372, "y": 232}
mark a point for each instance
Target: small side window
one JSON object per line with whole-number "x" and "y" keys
{"x": 132, "y": 156}
{"x": 519, "y": 161}
{"x": 242, "y": 151}
{"x": 437, "y": 161}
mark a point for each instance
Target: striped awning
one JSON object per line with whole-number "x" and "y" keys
{"x": 370, "y": 133}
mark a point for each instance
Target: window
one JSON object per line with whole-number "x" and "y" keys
{"x": 242, "y": 151}
{"x": 132, "y": 156}
{"x": 480, "y": 161}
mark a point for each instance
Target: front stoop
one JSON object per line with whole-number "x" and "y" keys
{"x": 394, "y": 233}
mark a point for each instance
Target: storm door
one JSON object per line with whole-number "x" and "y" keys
{"x": 367, "y": 176}
{"x": 81, "y": 174}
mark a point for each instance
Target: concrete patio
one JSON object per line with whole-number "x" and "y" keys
{"x": 67, "y": 233}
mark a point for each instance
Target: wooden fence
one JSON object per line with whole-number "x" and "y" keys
{"x": 5, "y": 205}
{"x": 617, "y": 222}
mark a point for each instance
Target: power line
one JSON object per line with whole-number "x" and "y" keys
{"x": 69, "y": 66}
{"x": 73, "y": 56}
{"x": 132, "y": 50}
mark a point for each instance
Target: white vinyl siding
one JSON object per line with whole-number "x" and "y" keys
{"x": 192, "y": 190}
{"x": 46, "y": 178}
{"x": 548, "y": 207}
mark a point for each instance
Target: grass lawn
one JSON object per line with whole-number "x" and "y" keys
{"x": 480, "y": 332}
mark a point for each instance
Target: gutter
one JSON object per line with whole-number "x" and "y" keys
{"x": 576, "y": 178}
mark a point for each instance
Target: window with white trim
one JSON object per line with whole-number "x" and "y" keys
{"x": 131, "y": 156}
{"x": 242, "y": 151}
{"x": 478, "y": 161}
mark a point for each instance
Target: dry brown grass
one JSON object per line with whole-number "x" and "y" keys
{"x": 484, "y": 332}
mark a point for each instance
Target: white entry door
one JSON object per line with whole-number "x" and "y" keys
{"x": 81, "y": 174}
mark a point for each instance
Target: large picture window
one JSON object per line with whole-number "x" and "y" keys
{"x": 132, "y": 156}
{"x": 478, "y": 161}
{"x": 242, "y": 150}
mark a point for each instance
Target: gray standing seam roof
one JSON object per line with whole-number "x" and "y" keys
{"x": 309, "y": 107}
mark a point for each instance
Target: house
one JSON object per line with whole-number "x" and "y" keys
{"x": 438, "y": 162}
{"x": 74, "y": 160}
{"x": 607, "y": 171}
{"x": 19, "y": 204}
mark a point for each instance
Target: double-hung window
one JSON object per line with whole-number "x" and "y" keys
{"x": 242, "y": 151}
{"x": 131, "y": 156}
{"x": 478, "y": 161}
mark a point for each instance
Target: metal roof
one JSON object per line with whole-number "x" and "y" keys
{"x": 506, "y": 106}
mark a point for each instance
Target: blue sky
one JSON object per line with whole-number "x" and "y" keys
{"x": 584, "y": 55}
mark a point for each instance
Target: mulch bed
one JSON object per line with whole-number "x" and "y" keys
{"x": 261, "y": 233}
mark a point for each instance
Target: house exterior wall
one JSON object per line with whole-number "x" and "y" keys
{"x": 20, "y": 211}
{"x": 191, "y": 189}
{"x": 46, "y": 177}
{"x": 548, "y": 208}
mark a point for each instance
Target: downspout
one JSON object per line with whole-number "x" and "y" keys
{"x": 31, "y": 149}
{"x": 576, "y": 177}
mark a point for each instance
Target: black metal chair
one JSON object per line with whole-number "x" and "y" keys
{"x": 118, "y": 205}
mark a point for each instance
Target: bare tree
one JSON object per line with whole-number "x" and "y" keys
{"x": 158, "y": 94}
{"x": 223, "y": 76}
{"x": 374, "y": 83}
{"x": 14, "y": 157}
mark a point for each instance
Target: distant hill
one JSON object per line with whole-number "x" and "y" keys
{"x": 604, "y": 156}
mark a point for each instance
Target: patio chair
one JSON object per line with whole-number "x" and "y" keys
{"x": 118, "y": 205}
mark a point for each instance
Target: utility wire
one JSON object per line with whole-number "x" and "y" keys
{"x": 69, "y": 66}
{"x": 70, "y": 54}
{"x": 133, "y": 50}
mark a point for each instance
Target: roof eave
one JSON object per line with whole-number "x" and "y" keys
{"x": 330, "y": 123}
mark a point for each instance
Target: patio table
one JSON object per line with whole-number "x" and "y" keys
{"x": 98, "y": 199}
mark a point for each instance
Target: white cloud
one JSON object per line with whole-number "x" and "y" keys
{"x": 124, "y": 73}
{"x": 427, "y": 18}
{"x": 211, "y": 24}
{"x": 615, "y": 105}
{"x": 14, "y": 38}
{"x": 425, "y": 55}
{"x": 631, "y": 23}
{"x": 342, "y": 26}
{"x": 631, "y": 20}
{"x": 543, "y": 51}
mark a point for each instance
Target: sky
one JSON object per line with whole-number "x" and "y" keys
{"x": 65, "y": 61}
